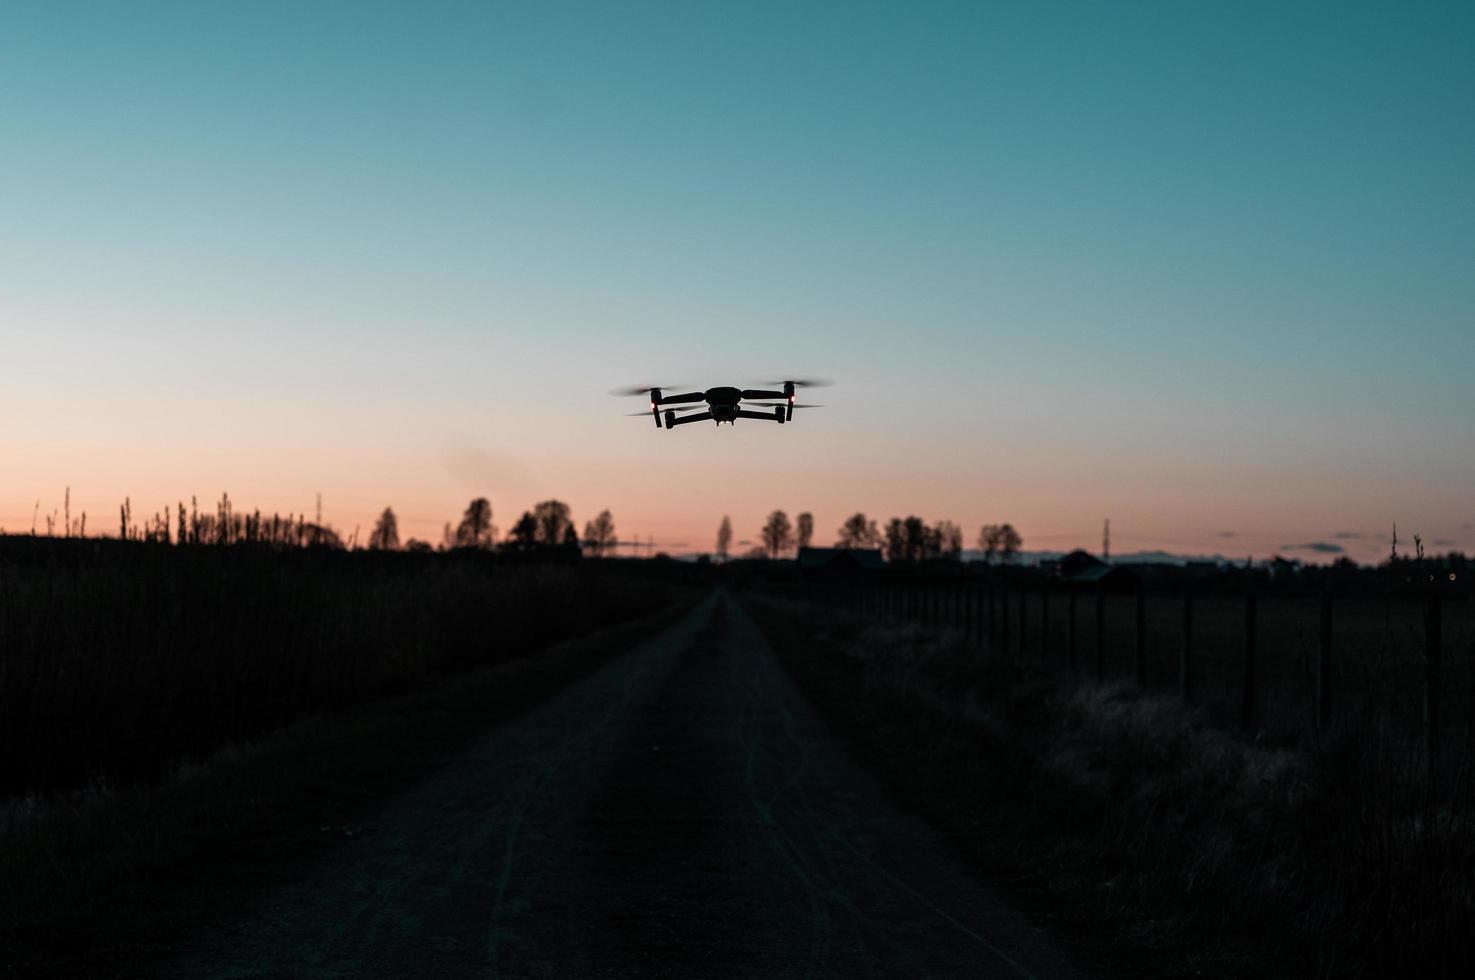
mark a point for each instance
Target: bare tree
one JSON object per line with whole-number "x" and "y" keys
{"x": 553, "y": 521}
{"x": 804, "y": 529}
{"x": 907, "y": 540}
{"x": 777, "y": 534}
{"x": 724, "y": 537}
{"x": 999, "y": 541}
{"x": 385, "y": 536}
{"x": 858, "y": 532}
{"x": 946, "y": 541}
{"x": 1009, "y": 543}
{"x": 475, "y": 529}
{"x": 599, "y": 535}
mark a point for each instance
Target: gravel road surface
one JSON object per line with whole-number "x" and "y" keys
{"x": 681, "y": 813}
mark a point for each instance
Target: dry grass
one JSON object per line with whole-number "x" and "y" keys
{"x": 120, "y": 659}
{"x": 1168, "y": 846}
{"x": 99, "y": 880}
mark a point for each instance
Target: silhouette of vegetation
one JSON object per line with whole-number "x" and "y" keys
{"x": 999, "y": 541}
{"x": 121, "y": 658}
{"x": 859, "y": 532}
{"x": 777, "y": 534}
{"x": 523, "y": 538}
{"x": 804, "y": 529}
{"x": 553, "y": 526}
{"x": 475, "y": 529}
{"x": 385, "y": 536}
{"x": 599, "y": 535}
{"x": 724, "y": 537}
{"x": 1178, "y": 846}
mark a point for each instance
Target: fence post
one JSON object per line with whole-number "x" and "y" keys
{"x": 1070, "y": 634}
{"x": 1247, "y": 690}
{"x": 1141, "y": 636}
{"x": 1004, "y": 624}
{"x": 1324, "y": 666}
{"x": 1185, "y": 661}
{"x": 1023, "y": 611}
{"x": 1100, "y": 632}
{"x": 1433, "y": 630}
{"x": 1045, "y": 624}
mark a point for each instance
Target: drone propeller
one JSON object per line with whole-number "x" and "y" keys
{"x": 642, "y": 390}
{"x": 809, "y": 383}
{"x": 785, "y": 405}
{"x": 678, "y": 409}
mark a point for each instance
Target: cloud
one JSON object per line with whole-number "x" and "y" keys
{"x": 1349, "y": 536}
{"x": 1443, "y": 543}
{"x": 1227, "y": 534}
{"x": 1467, "y": 526}
{"x": 1319, "y": 547}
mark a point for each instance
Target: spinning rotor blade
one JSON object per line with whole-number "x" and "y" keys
{"x": 638, "y": 390}
{"x": 678, "y": 409}
{"x": 809, "y": 383}
{"x": 784, "y": 405}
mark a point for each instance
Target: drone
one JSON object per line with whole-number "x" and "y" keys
{"x": 724, "y": 404}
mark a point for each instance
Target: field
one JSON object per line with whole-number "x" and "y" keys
{"x": 1376, "y": 665}
{"x": 1169, "y": 842}
{"x": 120, "y": 660}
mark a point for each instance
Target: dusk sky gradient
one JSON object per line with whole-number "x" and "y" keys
{"x": 1204, "y": 269}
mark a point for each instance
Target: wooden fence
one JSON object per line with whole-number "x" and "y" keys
{"x": 1281, "y": 666}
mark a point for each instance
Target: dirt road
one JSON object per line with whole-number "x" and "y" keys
{"x": 682, "y": 813}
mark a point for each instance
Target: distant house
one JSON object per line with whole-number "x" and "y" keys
{"x": 1083, "y": 568}
{"x": 841, "y": 560}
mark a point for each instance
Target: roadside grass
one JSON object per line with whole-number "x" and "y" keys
{"x": 120, "y": 659}
{"x": 102, "y": 881}
{"x": 1162, "y": 845}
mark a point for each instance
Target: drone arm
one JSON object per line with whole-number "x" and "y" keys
{"x": 765, "y": 416}
{"x": 683, "y": 419}
{"x": 690, "y": 396}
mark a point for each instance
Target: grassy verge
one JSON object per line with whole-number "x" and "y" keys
{"x": 100, "y": 882}
{"x": 1163, "y": 846}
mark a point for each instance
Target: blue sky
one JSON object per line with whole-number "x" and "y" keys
{"x": 1194, "y": 267}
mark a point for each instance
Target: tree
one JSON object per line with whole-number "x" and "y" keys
{"x": 945, "y": 541}
{"x": 896, "y": 540}
{"x": 777, "y": 534}
{"x": 999, "y": 540}
{"x": 599, "y": 535}
{"x": 553, "y": 522}
{"x": 804, "y": 528}
{"x": 1009, "y": 543}
{"x": 475, "y": 529}
{"x": 385, "y": 536}
{"x": 416, "y": 546}
{"x": 570, "y": 544}
{"x": 907, "y": 540}
{"x": 524, "y": 536}
{"x": 724, "y": 537}
{"x": 858, "y": 532}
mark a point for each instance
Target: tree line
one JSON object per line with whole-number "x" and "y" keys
{"x": 903, "y": 539}
{"x": 547, "y": 526}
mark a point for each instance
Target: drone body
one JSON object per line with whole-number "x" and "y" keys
{"x": 722, "y": 404}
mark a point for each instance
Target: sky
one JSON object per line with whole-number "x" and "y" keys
{"x": 1202, "y": 269}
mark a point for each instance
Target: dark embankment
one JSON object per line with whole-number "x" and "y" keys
{"x": 105, "y": 881}
{"x": 119, "y": 660}
{"x": 1170, "y": 847}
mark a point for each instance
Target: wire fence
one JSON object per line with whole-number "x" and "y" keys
{"x": 1283, "y": 667}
